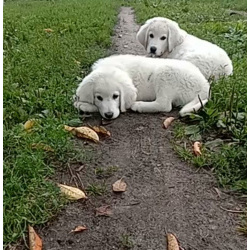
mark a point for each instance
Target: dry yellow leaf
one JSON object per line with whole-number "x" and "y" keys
{"x": 68, "y": 128}
{"x": 119, "y": 186}
{"x": 79, "y": 229}
{"x": 42, "y": 146}
{"x": 197, "y": 148}
{"x": 83, "y": 132}
{"x": 48, "y": 30}
{"x": 167, "y": 122}
{"x": 72, "y": 193}
{"x": 35, "y": 241}
{"x": 172, "y": 243}
{"x": 29, "y": 124}
{"x": 77, "y": 62}
{"x": 101, "y": 130}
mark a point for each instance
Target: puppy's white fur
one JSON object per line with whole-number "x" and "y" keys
{"x": 171, "y": 41}
{"x": 142, "y": 84}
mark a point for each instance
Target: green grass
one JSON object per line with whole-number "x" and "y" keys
{"x": 41, "y": 71}
{"x": 224, "y": 116}
{"x": 107, "y": 172}
{"x": 126, "y": 242}
{"x": 96, "y": 189}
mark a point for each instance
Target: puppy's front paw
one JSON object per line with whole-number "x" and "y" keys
{"x": 137, "y": 107}
{"x": 85, "y": 108}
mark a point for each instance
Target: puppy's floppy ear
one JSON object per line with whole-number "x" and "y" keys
{"x": 175, "y": 35}
{"x": 142, "y": 34}
{"x": 85, "y": 91}
{"x": 128, "y": 94}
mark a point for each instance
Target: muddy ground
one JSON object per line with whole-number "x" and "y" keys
{"x": 164, "y": 194}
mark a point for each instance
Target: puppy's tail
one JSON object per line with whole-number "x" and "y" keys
{"x": 192, "y": 106}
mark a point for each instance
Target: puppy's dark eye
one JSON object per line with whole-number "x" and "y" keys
{"x": 99, "y": 98}
{"x": 115, "y": 96}
{"x": 163, "y": 38}
{"x": 151, "y": 36}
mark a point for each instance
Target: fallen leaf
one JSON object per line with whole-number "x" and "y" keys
{"x": 78, "y": 229}
{"x": 119, "y": 186}
{"x": 172, "y": 243}
{"x": 196, "y": 148}
{"x": 42, "y": 146}
{"x": 35, "y": 242}
{"x": 83, "y": 132}
{"x": 48, "y": 30}
{"x": 101, "y": 130}
{"x": 77, "y": 62}
{"x": 68, "y": 128}
{"x": 103, "y": 211}
{"x": 167, "y": 122}
{"x": 29, "y": 124}
{"x": 72, "y": 193}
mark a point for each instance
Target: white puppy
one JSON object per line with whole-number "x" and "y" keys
{"x": 121, "y": 82}
{"x": 162, "y": 37}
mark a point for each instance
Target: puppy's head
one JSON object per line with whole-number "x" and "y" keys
{"x": 108, "y": 88}
{"x": 160, "y": 35}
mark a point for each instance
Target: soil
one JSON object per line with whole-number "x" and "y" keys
{"x": 164, "y": 194}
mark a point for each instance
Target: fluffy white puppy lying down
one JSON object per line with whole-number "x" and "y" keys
{"x": 162, "y": 37}
{"x": 121, "y": 82}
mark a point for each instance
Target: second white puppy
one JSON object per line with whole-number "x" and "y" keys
{"x": 121, "y": 82}
{"x": 163, "y": 37}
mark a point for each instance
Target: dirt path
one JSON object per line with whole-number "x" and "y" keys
{"x": 163, "y": 192}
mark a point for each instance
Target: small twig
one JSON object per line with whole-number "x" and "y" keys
{"x": 232, "y": 211}
{"x": 192, "y": 247}
{"x": 218, "y": 192}
{"x": 133, "y": 203}
{"x": 146, "y": 153}
{"x": 202, "y": 106}
{"x": 80, "y": 168}
{"x": 80, "y": 180}
{"x": 209, "y": 92}
{"x": 72, "y": 175}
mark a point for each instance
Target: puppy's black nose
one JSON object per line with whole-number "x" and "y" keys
{"x": 109, "y": 115}
{"x": 153, "y": 49}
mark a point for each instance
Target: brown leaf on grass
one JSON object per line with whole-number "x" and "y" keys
{"x": 72, "y": 193}
{"x": 172, "y": 243}
{"x": 35, "y": 242}
{"x": 42, "y": 146}
{"x": 101, "y": 130}
{"x": 29, "y": 124}
{"x": 83, "y": 132}
{"x": 48, "y": 30}
{"x": 167, "y": 122}
{"x": 119, "y": 186}
{"x": 78, "y": 229}
{"x": 104, "y": 210}
{"x": 197, "y": 148}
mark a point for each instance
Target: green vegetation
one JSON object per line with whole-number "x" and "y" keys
{"x": 48, "y": 47}
{"x": 105, "y": 172}
{"x": 224, "y": 117}
{"x": 96, "y": 189}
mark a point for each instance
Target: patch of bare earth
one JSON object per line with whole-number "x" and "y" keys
{"x": 163, "y": 193}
